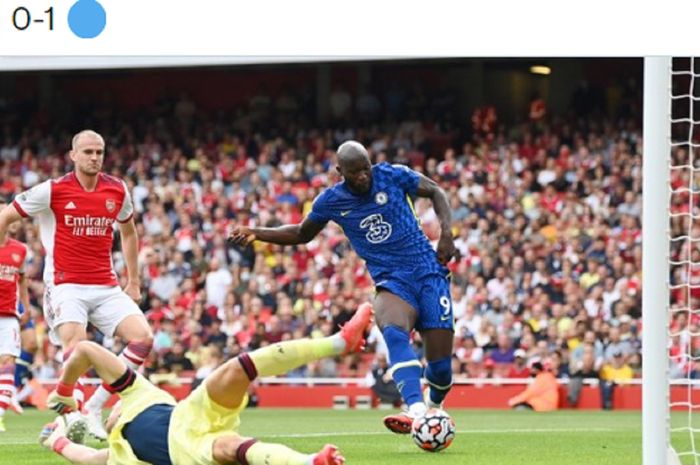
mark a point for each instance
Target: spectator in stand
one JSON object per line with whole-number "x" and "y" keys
{"x": 552, "y": 209}
{"x": 612, "y": 372}
{"x": 582, "y": 369}
{"x": 175, "y": 360}
{"x": 504, "y": 352}
{"x": 519, "y": 369}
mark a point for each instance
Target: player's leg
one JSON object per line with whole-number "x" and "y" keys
{"x": 436, "y": 323}
{"x": 234, "y": 449}
{"x": 26, "y": 356}
{"x": 116, "y": 314}
{"x": 24, "y": 363}
{"x": 9, "y": 350}
{"x": 7, "y": 386}
{"x": 396, "y": 318}
{"x": 438, "y": 371}
{"x": 110, "y": 369}
{"x": 86, "y": 355}
{"x": 71, "y": 334}
{"x": 66, "y": 315}
{"x": 228, "y": 385}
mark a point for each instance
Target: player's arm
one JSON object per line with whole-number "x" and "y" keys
{"x": 24, "y": 298}
{"x": 429, "y": 189}
{"x": 130, "y": 248}
{"x": 84, "y": 356}
{"x": 79, "y": 454}
{"x": 290, "y": 234}
{"x": 8, "y": 215}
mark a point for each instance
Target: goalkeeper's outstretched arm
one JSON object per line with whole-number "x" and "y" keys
{"x": 88, "y": 354}
{"x": 79, "y": 454}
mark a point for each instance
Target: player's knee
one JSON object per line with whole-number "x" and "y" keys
{"x": 143, "y": 345}
{"x": 439, "y": 372}
{"x": 73, "y": 344}
{"x": 233, "y": 372}
{"x": 230, "y": 449}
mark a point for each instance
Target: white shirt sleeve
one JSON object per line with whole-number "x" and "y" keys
{"x": 127, "y": 210}
{"x": 35, "y": 200}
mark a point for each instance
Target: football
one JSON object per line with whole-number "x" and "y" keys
{"x": 434, "y": 431}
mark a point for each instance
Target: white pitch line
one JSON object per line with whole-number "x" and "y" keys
{"x": 465, "y": 431}
{"x": 18, "y": 443}
{"x": 377, "y": 433}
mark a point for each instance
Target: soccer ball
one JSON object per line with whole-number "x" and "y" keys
{"x": 434, "y": 431}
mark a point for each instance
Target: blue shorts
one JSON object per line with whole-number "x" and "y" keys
{"x": 147, "y": 434}
{"x": 428, "y": 293}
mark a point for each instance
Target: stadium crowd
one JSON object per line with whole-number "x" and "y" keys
{"x": 546, "y": 216}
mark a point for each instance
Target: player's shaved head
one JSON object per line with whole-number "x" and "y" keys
{"x": 351, "y": 151}
{"x": 87, "y": 152}
{"x": 355, "y": 167}
{"x": 87, "y": 134}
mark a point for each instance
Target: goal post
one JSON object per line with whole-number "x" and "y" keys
{"x": 655, "y": 260}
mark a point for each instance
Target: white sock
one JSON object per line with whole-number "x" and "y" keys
{"x": 102, "y": 395}
{"x": 417, "y": 409}
{"x": 24, "y": 393}
{"x": 98, "y": 399}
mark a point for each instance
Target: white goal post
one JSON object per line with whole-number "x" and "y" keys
{"x": 655, "y": 260}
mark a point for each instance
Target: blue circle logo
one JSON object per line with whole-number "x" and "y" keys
{"x": 87, "y": 19}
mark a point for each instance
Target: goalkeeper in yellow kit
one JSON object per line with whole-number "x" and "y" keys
{"x": 149, "y": 427}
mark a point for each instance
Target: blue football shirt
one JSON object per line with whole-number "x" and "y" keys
{"x": 380, "y": 225}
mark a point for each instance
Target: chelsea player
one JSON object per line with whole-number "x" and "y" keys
{"x": 373, "y": 206}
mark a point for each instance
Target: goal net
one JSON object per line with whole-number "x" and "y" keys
{"x": 682, "y": 368}
{"x": 684, "y": 332}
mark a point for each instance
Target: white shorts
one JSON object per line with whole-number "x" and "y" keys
{"x": 103, "y": 306}
{"x": 9, "y": 336}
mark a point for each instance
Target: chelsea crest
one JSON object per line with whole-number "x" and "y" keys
{"x": 381, "y": 198}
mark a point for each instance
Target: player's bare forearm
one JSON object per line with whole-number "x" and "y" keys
{"x": 8, "y": 215}
{"x": 284, "y": 235}
{"x": 24, "y": 299}
{"x": 443, "y": 212}
{"x": 87, "y": 354}
{"x": 429, "y": 189}
{"x": 130, "y": 247}
{"x": 289, "y": 234}
{"x": 84, "y": 455}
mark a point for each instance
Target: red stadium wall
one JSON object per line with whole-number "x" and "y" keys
{"x": 461, "y": 396}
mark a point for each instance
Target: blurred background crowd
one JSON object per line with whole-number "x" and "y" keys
{"x": 545, "y": 197}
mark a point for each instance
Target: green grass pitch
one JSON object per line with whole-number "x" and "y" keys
{"x": 484, "y": 437}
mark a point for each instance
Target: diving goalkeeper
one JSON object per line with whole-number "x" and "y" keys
{"x": 149, "y": 427}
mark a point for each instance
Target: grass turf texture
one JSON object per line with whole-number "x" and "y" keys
{"x": 484, "y": 437}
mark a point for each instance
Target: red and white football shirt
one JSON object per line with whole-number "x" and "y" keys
{"x": 12, "y": 260}
{"x": 77, "y": 226}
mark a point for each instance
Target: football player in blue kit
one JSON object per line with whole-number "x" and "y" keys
{"x": 373, "y": 206}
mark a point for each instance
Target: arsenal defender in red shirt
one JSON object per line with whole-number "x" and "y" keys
{"x": 13, "y": 256}
{"x": 76, "y": 214}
